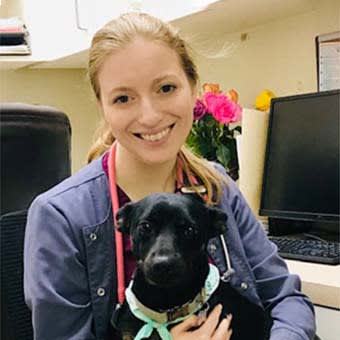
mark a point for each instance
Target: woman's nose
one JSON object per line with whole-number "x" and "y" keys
{"x": 149, "y": 113}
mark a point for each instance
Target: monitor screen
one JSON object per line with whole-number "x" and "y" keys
{"x": 301, "y": 171}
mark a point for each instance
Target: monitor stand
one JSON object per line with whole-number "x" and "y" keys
{"x": 329, "y": 231}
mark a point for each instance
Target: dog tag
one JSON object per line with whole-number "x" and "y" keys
{"x": 203, "y": 312}
{"x": 177, "y": 313}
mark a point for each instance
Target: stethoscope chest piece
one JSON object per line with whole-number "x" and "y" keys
{"x": 226, "y": 276}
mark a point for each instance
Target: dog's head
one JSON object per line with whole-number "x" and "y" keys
{"x": 169, "y": 234}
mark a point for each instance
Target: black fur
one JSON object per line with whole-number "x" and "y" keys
{"x": 169, "y": 234}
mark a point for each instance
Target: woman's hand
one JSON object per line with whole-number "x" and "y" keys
{"x": 207, "y": 328}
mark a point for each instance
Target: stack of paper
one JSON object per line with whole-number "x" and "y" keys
{"x": 14, "y": 37}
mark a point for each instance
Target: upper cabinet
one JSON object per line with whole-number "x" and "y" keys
{"x": 105, "y": 10}
{"x": 61, "y": 30}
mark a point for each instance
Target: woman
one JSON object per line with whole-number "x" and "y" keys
{"x": 146, "y": 84}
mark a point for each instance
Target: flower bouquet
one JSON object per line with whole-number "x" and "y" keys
{"x": 213, "y": 134}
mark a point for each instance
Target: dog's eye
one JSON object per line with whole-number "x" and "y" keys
{"x": 144, "y": 228}
{"x": 190, "y": 231}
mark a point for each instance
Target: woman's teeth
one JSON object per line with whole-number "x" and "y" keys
{"x": 156, "y": 136}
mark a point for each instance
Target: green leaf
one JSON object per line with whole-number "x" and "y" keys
{"x": 223, "y": 155}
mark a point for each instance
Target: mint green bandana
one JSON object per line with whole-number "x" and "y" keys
{"x": 211, "y": 284}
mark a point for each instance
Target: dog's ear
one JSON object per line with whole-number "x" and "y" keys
{"x": 218, "y": 222}
{"x": 123, "y": 218}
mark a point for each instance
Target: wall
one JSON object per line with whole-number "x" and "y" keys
{"x": 11, "y": 8}
{"x": 279, "y": 55}
{"x": 65, "y": 89}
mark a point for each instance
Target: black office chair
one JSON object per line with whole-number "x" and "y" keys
{"x": 35, "y": 155}
{"x": 15, "y": 316}
{"x": 35, "y": 152}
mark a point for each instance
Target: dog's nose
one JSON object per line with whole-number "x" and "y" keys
{"x": 163, "y": 264}
{"x": 163, "y": 269}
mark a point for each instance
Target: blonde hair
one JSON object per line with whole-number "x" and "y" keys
{"x": 116, "y": 35}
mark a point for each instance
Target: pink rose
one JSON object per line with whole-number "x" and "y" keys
{"x": 222, "y": 108}
{"x": 199, "y": 110}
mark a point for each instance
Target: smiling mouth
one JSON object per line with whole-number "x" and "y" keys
{"x": 155, "y": 137}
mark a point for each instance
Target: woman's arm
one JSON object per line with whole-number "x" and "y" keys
{"x": 280, "y": 291}
{"x": 55, "y": 278}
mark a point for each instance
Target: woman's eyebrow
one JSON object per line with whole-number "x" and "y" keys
{"x": 160, "y": 79}
{"x": 120, "y": 89}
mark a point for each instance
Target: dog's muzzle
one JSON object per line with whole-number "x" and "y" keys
{"x": 164, "y": 270}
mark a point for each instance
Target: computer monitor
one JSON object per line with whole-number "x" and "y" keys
{"x": 301, "y": 170}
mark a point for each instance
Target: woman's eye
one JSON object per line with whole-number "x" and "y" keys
{"x": 167, "y": 88}
{"x": 121, "y": 99}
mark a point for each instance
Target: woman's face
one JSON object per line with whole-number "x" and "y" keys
{"x": 147, "y": 100}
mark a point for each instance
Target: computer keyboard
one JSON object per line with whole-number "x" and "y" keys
{"x": 308, "y": 250}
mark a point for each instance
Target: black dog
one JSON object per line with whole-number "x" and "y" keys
{"x": 169, "y": 234}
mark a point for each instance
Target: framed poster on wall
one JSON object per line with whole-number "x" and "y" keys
{"x": 328, "y": 61}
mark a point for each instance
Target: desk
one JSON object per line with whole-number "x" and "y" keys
{"x": 319, "y": 281}
{"x": 322, "y": 284}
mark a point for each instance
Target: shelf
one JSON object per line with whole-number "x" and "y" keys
{"x": 75, "y": 60}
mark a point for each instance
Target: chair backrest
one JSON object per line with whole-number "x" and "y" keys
{"x": 15, "y": 315}
{"x": 35, "y": 155}
{"x": 35, "y": 152}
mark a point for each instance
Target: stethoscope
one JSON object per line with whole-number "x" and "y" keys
{"x": 225, "y": 277}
